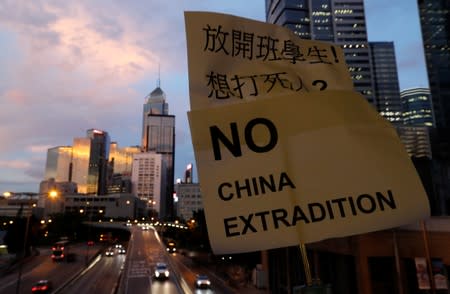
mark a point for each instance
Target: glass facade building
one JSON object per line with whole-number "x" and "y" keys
{"x": 90, "y": 162}
{"x": 121, "y": 159}
{"x": 387, "y": 90}
{"x": 417, "y": 107}
{"x": 158, "y": 136}
{"x": 435, "y": 25}
{"x": 340, "y": 22}
{"x": 59, "y": 164}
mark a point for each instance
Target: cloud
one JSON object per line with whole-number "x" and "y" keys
{"x": 14, "y": 164}
{"x": 38, "y": 148}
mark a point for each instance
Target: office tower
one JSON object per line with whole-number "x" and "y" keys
{"x": 90, "y": 162}
{"x": 189, "y": 199}
{"x": 386, "y": 86}
{"x": 121, "y": 159}
{"x": 148, "y": 179}
{"x": 435, "y": 20}
{"x": 416, "y": 140}
{"x": 120, "y": 167}
{"x": 417, "y": 107}
{"x": 158, "y": 136}
{"x": 340, "y": 22}
{"x": 59, "y": 163}
{"x": 417, "y": 118}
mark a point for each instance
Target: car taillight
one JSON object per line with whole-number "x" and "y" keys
{"x": 34, "y": 288}
{"x": 45, "y": 287}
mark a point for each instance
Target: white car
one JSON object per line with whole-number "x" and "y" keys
{"x": 161, "y": 271}
{"x": 202, "y": 282}
{"x": 109, "y": 252}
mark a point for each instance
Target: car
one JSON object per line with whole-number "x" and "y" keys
{"x": 118, "y": 246}
{"x": 171, "y": 247}
{"x": 161, "y": 271}
{"x": 109, "y": 252}
{"x": 121, "y": 251}
{"x": 90, "y": 243}
{"x": 42, "y": 286}
{"x": 202, "y": 282}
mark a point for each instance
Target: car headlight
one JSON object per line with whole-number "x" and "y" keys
{"x": 166, "y": 273}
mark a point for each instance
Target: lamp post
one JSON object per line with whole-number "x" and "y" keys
{"x": 53, "y": 194}
{"x": 25, "y": 240}
{"x": 88, "y": 223}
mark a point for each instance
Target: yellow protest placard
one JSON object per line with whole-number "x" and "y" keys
{"x": 301, "y": 168}
{"x": 286, "y": 152}
{"x": 234, "y": 60}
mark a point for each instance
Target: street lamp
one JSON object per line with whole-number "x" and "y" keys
{"x": 53, "y": 195}
{"x": 25, "y": 239}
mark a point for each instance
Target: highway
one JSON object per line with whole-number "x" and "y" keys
{"x": 145, "y": 250}
{"x": 42, "y": 267}
{"x": 131, "y": 272}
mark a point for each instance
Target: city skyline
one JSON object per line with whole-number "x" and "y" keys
{"x": 70, "y": 67}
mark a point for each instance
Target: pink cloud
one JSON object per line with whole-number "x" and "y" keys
{"x": 15, "y": 96}
{"x": 38, "y": 148}
{"x": 14, "y": 164}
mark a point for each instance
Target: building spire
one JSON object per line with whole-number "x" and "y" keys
{"x": 158, "y": 83}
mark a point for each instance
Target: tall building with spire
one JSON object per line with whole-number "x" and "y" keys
{"x": 158, "y": 136}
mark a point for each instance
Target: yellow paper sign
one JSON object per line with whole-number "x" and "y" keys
{"x": 234, "y": 60}
{"x": 286, "y": 152}
{"x": 278, "y": 171}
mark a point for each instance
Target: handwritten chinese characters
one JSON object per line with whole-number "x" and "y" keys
{"x": 223, "y": 86}
{"x": 248, "y": 45}
{"x": 236, "y": 60}
{"x": 251, "y": 46}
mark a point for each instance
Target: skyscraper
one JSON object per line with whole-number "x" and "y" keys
{"x": 122, "y": 158}
{"x": 158, "y": 136}
{"x": 90, "y": 162}
{"x": 147, "y": 179}
{"x": 386, "y": 86}
{"x": 417, "y": 119}
{"x": 58, "y": 165}
{"x": 417, "y": 107}
{"x": 337, "y": 21}
{"x": 435, "y": 24}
